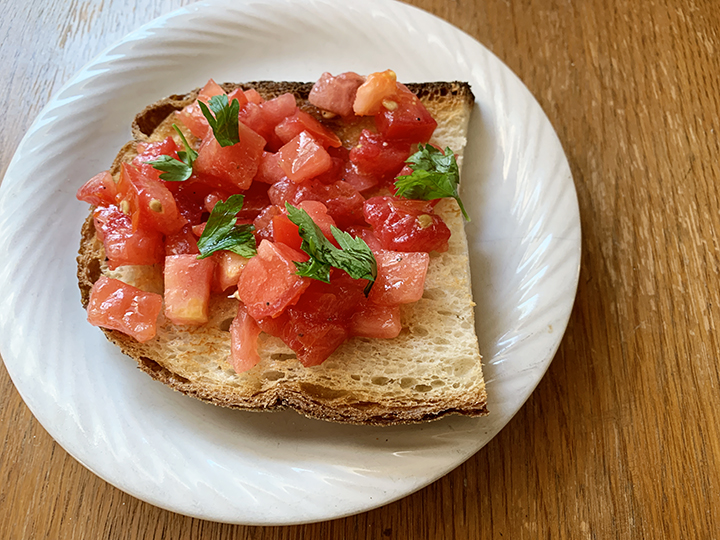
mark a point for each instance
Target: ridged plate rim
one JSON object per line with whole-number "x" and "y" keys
{"x": 277, "y": 469}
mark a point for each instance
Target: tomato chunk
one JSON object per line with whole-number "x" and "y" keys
{"x": 118, "y": 306}
{"x": 302, "y": 158}
{"x": 375, "y": 156}
{"x": 151, "y": 152}
{"x": 319, "y": 323}
{"x": 406, "y": 225}
{"x": 401, "y": 277}
{"x": 192, "y": 115}
{"x": 244, "y": 332}
{"x": 235, "y": 165}
{"x": 407, "y": 119}
{"x": 269, "y": 284}
{"x": 377, "y": 88}
{"x": 336, "y": 94}
{"x": 100, "y": 190}
{"x": 187, "y": 288}
{"x": 124, "y": 244}
{"x": 301, "y": 121}
{"x": 375, "y": 321}
{"x": 228, "y": 268}
{"x": 151, "y": 204}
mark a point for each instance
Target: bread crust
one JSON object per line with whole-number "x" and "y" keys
{"x": 324, "y": 392}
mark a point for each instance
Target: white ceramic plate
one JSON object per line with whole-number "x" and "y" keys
{"x": 203, "y": 461}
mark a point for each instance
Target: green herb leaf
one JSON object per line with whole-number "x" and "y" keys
{"x": 176, "y": 170}
{"x": 434, "y": 176}
{"x": 224, "y": 123}
{"x": 354, "y": 255}
{"x": 223, "y": 232}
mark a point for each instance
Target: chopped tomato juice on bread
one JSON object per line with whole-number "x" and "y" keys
{"x": 290, "y": 245}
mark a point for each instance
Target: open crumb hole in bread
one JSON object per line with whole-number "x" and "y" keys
{"x": 281, "y": 357}
{"x": 380, "y": 381}
{"x": 273, "y": 375}
{"x": 422, "y": 388}
{"x": 225, "y": 325}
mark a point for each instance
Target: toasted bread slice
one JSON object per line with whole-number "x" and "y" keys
{"x": 432, "y": 369}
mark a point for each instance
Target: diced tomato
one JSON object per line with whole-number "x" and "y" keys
{"x": 367, "y": 235}
{"x": 336, "y": 94}
{"x": 378, "y": 157}
{"x": 302, "y": 158}
{"x": 343, "y": 202}
{"x": 192, "y": 115}
{"x": 118, "y": 306}
{"x": 151, "y": 152}
{"x": 377, "y": 88}
{"x": 123, "y": 244}
{"x": 228, "y": 266}
{"x": 197, "y": 230}
{"x": 264, "y": 229}
{"x": 235, "y": 165}
{"x": 214, "y": 197}
{"x": 400, "y": 279}
{"x": 239, "y": 95}
{"x": 361, "y": 182}
{"x": 151, "y": 204}
{"x": 286, "y": 231}
{"x": 100, "y": 190}
{"x": 269, "y": 170}
{"x": 269, "y": 282}
{"x": 277, "y": 109}
{"x": 187, "y": 288}
{"x": 253, "y": 96}
{"x": 407, "y": 120}
{"x": 256, "y": 200}
{"x": 318, "y": 324}
{"x": 301, "y": 121}
{"x": 182, "y": 242}
{"x": 375, "y": 321}
{"x": 190, "y": 198}
{"x": 406, "y": 225}
{"x": 244, "y": 332}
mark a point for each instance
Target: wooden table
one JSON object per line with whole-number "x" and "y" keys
{"x": 621, "y": 438}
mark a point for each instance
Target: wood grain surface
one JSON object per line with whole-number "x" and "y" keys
{"x": 621, "y": 439}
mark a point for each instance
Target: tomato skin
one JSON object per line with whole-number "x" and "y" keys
{"x": 234, "y": 165}
{"x": 118, "y": 306}
{"x": 269, "y": 284}
{"x": 244, "y": 332}
{"x": 286, "y": 231}
{"x": 302, "y": 158}
{"x": 406, "y": 225}
{"x": 100, "y": 190}
{"x": 400, "y": 279}
{"x": 187, "y": 288}
{"x": 371, "y": 94}
{"x": 336, "y": 94}
{"x": 301, "y": 121}
{"x": 124, "y": 244}
{"x": 376, "y": 156}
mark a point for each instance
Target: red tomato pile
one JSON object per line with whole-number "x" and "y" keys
{"x": 285, "y": 155}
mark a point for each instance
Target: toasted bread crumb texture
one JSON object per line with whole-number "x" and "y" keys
{"x": 433, "y": 368}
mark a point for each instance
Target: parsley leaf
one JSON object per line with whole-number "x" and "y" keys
{"x": 354, "y": 257}
{"x": 434, "y": 176}
{"x": 224, "y": 123}
{"x": 175, "y": 170}
{"x": 223, "y": 232}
